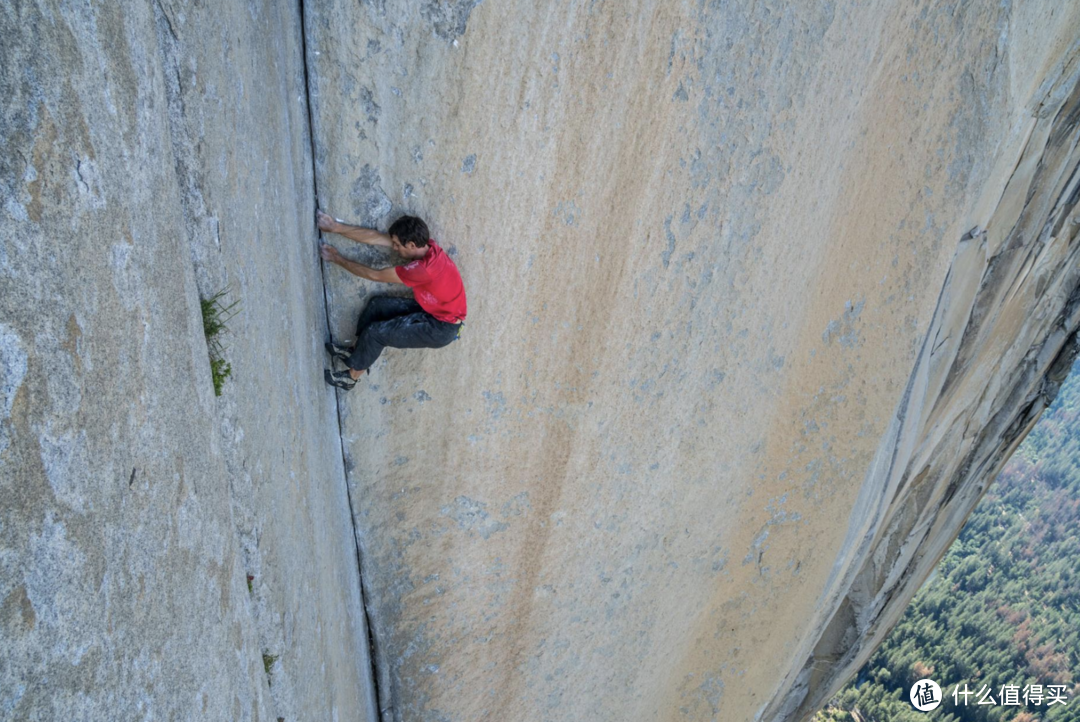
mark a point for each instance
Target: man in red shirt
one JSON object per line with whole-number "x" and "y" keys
{"x": 431, "y": 319}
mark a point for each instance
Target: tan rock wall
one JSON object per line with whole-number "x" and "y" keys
{"x": 761, "y": 295}
{"x": 703, "y": 245}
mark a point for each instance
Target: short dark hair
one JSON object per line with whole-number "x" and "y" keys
{"x": 410, "y": 229}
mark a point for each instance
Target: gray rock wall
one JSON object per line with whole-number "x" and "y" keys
{"x": 761, "y": 296}
{"x": 711, "y": 251}
{"x": 154, "y": 153}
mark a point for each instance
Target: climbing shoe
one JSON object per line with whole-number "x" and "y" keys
{"x": 340, "y": 379}
{"x": 341, "y": 353}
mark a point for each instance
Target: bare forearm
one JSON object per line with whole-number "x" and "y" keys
{"x": 363, "y": 235}
{"x": 386, "y": 275}
{"x": 357, "y": 269}
{"x": 328, "y": 224}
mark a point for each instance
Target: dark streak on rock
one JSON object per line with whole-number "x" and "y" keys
{"x": 370, "y": 107}
{"x": 370, "y": 202}
{"x": 449, "y": 17}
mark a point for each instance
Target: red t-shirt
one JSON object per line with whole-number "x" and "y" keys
{"x": 436, "y": 284}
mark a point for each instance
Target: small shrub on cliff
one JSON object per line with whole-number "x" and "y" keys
{"x": 215, "y": 316}
{"x": 268, "y": 664}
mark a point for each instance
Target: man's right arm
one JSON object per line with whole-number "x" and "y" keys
{"x": 353, "y": 233}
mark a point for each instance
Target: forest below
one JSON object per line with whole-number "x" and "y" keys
{"x": 1001, "y": 613}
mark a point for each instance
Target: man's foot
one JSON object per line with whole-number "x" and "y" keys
{"x": 341, "y": 379}
{"x": 339, "y": 352}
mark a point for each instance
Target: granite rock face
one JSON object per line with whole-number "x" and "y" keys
{"x": 156, "y": 152}
{"x": 761, "y": 295}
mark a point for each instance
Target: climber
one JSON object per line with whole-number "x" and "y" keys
{"x": 432, "y": 319}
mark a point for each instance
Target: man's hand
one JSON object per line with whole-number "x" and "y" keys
{"x": 325, "y": 222}
{"x": 329, "y": 253}
{"x": 370, "y": 236}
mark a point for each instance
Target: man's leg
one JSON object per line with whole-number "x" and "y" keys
{"x": 416, "y": 330}
{"x": 378, "y": 308}
{"x": 383, "y": 308}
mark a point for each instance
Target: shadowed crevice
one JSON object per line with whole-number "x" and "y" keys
{"x": 374, "y": 651}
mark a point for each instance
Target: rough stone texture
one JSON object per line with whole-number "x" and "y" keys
{"x": 1002, "y": 339}
{"x": 735, "y": 368}
{"x": 761, "y": 297}
{"x": 155, "y": 152}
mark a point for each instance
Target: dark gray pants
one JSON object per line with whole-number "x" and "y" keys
{"x": 398, "y": 323}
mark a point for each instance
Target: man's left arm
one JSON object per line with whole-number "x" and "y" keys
{"x": 385, "y": 275}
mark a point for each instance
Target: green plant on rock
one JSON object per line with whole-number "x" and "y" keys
{"x": 268, "y": 664}
{"x": 219, "y": 371}
{"x": 215, "y": 316}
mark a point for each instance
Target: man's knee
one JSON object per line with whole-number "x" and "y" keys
{"x": 380, "y": 300}
{"x": 378, "y": 333}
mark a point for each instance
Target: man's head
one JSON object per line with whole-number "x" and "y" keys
{"x": 410, "y": 236}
